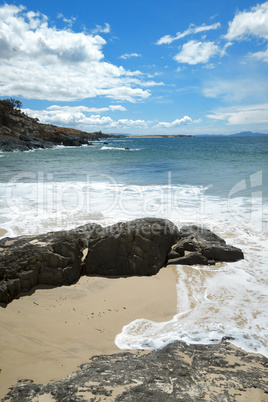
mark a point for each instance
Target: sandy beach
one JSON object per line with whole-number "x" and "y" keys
{"x": 2, "y": 232}
{"x": 47, "y": 333}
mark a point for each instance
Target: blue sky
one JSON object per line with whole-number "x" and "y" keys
{"x": 141, "y": 67}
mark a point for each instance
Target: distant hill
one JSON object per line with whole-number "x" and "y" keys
{"x": 242, "y": 134}
{"x": 247, "y": 134}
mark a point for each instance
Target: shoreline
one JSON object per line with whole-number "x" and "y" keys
{"x": 2, "y": 232}
{"x": 49, "y": 332}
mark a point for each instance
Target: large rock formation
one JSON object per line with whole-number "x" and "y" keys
{"x": 139, "y": 247}
{"x": 175, "y": 373}
{"x": 20, "y": 132}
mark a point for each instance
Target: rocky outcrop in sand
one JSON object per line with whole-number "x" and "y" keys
{"x": 139, "y": 247}
{"x": 178, "y": 372}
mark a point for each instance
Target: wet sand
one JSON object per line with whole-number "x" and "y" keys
{"x": 2, "y": 232}
{"x": 46, "y": 334}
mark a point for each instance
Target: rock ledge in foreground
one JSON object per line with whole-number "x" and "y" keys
{"x": 177, "y": 372}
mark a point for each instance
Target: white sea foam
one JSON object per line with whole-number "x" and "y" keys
{"x": 229, "y": 299}
{"x": 31, "y": 208}
{"x": 61, "y": 146}
{"x": 64, "y": 204}
{"x": 105, "y": 148}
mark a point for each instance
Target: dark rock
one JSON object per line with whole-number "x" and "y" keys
{"x": 222, "y": 253}
{"x": 4, "y": 294}
{"x": 200, "y": 234}
{"x": 190, "y": 259}
{"x": 213, "y": 247}
{"x": 173, "y": 254}
{"x": 188, "y": 244}
{"x": 50, "y": 259}
{"x": 3, "y": 273}
{"x": 178, "y": 249}
{"x": 178, "y": 372}
{"x": 139, "y": 247}
{"x": 21, "y": 133}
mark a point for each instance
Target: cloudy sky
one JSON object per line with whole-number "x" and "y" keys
{"x": 141, "y": 67}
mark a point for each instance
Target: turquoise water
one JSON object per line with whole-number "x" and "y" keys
{"x": 219, "y": 182}
{"x": 219, "y": 161}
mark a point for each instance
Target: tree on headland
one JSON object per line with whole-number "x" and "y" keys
{"x": 9, "y": 106}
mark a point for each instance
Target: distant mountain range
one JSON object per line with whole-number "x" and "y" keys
{"x": 247, "y": 134}
{"x": 242, "y": 134}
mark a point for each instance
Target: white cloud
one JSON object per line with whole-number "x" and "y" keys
{"x": 89, "y": 118}
{"x": 72, "y": 115}
{"x": 82, "y": 118}
{"x": 87, "y": 109}
{"x": 129, "y": 55}
{"x": 151, "y": 83}
{"x": 41, "y": 62}
{"x": 178, "y": 122}
{"x": 69, "y": 21}
{"x": 262, "y": 56}
{"x": 225, "y": 47}
{"x": 100, "y": 29}
{"x": 254, "y": 114}
{"x": 132, "y": 123}
{"x": 194, "y": 52}
{"x": 209, "y": 66}
{"x": 27, "y": 35}
{"x": 247, "y": 23}
{"x": 117, "y": 107}
{"x": 154, "y": 74}
{"x": 237, "y": 89}
{"x": 193, "y": 29}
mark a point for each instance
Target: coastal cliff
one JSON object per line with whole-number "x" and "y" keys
{"x": 19, "y": 132}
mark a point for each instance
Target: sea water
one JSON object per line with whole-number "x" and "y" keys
{"x": 218, "y": 182}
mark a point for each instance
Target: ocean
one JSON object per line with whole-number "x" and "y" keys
{"x": 218, "y": 182}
